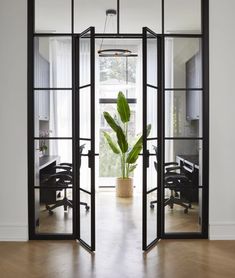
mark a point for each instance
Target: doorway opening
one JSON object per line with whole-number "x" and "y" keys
{"x": 72, "y": 170}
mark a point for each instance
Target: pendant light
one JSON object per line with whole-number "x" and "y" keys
{"x": 113, "y": 52}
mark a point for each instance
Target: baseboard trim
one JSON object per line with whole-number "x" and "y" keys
{"x": 222, "y": 231}
{"x": 13, "y": 232}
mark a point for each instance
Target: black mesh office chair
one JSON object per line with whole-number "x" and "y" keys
{"x": 177, "y": 183}
{"x": 62, "y": 180}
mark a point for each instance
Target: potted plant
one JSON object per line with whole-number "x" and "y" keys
{"x": 128, "y": 154}
{"x": 42, "y": 143}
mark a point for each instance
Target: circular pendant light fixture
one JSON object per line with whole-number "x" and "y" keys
{"x": 113, "y": 52}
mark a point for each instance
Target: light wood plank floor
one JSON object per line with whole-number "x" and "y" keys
{"x": 170, "y": 258}
{"x": 119, "y": 253}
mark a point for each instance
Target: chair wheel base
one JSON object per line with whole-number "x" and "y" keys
{"x": 50, "y": 212}
{"x": 87, "y": 208}
{"x": 151, "y": 206}
{"x": 186, "y": 211}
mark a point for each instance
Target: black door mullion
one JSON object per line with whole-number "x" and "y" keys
{"x": 161, "y": 129}
{"x": 92, "y": 65}
{"x": 76, "y": 191}
{"x": 145, "y": 243}
{"x": 144, "y": 196}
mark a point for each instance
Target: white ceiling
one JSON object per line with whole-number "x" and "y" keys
{"x": 55, "y": 15}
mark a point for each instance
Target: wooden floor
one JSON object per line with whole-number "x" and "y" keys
{"x": 119, "y": 211}
{"x": 170, "y": 258}
{"x": 118, "y": 249}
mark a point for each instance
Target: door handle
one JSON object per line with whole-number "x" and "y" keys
{"x": 147, "y": 158}
{"x": 90, "y": 159}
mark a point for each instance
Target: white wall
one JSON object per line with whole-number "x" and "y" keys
{"x": 222, "y": 119}
{"x": 13, "y": 120}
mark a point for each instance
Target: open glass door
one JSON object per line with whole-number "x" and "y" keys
{"x": 151, "y": 163}
{"x": 86, "y": 138}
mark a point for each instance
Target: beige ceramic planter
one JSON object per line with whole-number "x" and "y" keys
{"x": 124, "y": 187}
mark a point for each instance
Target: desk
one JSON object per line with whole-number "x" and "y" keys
{"x": 46, "y": 164}
{"x": 47, "y": 160}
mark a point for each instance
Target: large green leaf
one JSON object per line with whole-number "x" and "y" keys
{"x": 121, "y": 139}
{"x": 112, "y": 144}
{"x": 132, "y": 168}
{"x": 109, "y": 119}
{"x": 140, "y": 140}
{"x": 134, "y": 154}
{"x": 123, "y": 108}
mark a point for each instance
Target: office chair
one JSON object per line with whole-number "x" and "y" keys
{"x": 62, "y": 180}
{"x": 177, "y": 183}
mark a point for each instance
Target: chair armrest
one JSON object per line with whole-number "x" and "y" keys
{"x": 66, "y": 168}
{"x": 170, "y": 163}
{"x": 66, "y": 164}
{"x": 176, "y": 177}
{"x": 62, "y": 175}
{"x": 169, "y": 169}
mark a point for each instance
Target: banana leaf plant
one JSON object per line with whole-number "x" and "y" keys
{"x": 128, "y": 154}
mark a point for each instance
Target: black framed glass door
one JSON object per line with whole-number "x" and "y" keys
{"x": 85, "y": 129}
{"x": 151, "y": 166}
{"x": 61, "y": 118}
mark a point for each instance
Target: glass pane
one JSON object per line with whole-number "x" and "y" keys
{"x": 52, "y": 152}
{"x": 53, "y": 16}
{"x": 53, "y": 174}
{"x": 152, "y": 184}
{"x": 152, "y": 60}
{"x": 152, "y": 147}
{"x": 85, "y": 198}
{"x": 52, "y": 62}
{"x": 183, "y": 114}
{"x": 119, "y": 73}
{"x": 53, "y": 209}
{"x": 93, "y": 13}
{"x": 188, "y": 155}
{"x": 85, "y": 61}
{"x": 53, "y": 113}
{"x": 85, "y": 112}
{"x": 182, "y": 16}
{"x": 183, "y": 209}
{"x": 151, "y": 216}
{"x": 152, "y": 110}
{"x": 152, "y": 173}
{"x": 85, "y": 171}
{"x": 85, "y": 218}
{"x": 109, "y": 163}
{"x": 135, "y": 14}
{"x": 183, "y": 199}
{"x": 183, "y": 66}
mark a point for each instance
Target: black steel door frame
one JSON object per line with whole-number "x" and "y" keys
{"x": 30, "y": 109}
{"x": 88, "y": 34}
{"x": 148, "y": 34}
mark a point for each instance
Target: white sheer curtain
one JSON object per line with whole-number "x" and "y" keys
{"x": 139, "y": 114}
{"x": 60, "y": 101}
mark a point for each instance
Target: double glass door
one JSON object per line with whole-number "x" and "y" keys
{"x": 64, "y": 176}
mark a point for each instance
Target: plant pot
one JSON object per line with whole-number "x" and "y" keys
{"x": 124, "y": 187}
